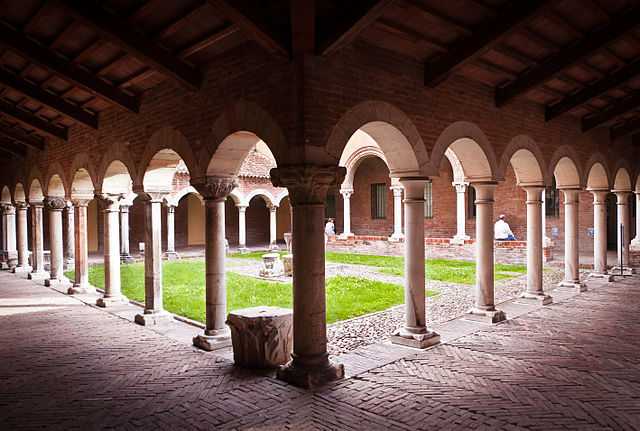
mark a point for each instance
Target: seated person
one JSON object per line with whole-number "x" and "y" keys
{"x": 502, "y": 231}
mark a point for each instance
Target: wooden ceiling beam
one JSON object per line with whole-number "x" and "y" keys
{"x": 42, "y": 56}
{"x": 22, "y": 138}
{"x": 484, "y": 38}
{"x": 30, "y": 120}
{"x": 615, "y": 110}
{"x": 576, "y": 52}
{"x": 627, "y": 128}
{"x": 599, "y": 87}
{"x": 426, "y": 9}
{"x": 411, "y": 34}
{"x": 215, "y": 37}
{"x": 181, "y": 22}
{"x": 146, "y": 50}
{"x": 51, "y": 100}
{"x": 12, "y": 149}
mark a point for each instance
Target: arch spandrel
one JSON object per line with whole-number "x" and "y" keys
{"x": 164, "y": 141}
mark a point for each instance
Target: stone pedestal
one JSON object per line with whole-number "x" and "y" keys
{"x": 262, "y": 336}
{"x": 152, "y": 318}
{"x": 536, "y": 298}
{"x": 485, "y": 316}
{"x": 271, "y": 266}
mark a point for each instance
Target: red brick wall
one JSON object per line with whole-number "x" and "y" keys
{"x": 371, "y": 171}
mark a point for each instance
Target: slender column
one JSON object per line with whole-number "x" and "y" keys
{"x": 600, "y": 234}
{"x": 112, "y": 288}
{"x": 346, "y": 213}
{"x": 69, "y": 245}
{"x": 3, "y": 236}
{"x": 461, "y": 213}
{"x": 11, "y": 255}
{"x": 397, "y": 213}
{"x": 242, "y": 227}
{"x": 535, "y": 290}
{"x": 308, "y": 185}
{"x": 125, "y": 251}
{"x": 37, "y": 262}
{"x": 171, "y": 233}
{"x": 571, "y": 256}
{"x": 23, "y": 241}
{"x": 635, "y": 243}
{"x": 485, "y": 309}
{"x": 154, "y": 313}
{"x": 414, "y": 333}
{"x": 273, "y": 225}
{"x": 623, "y": 224}
{"x": 215, "y": 190}
{"x": 81, "y": 243}
{"x": 54, "y": 206}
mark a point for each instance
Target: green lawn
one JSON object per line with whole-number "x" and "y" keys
{"x": 184, "y": 294}
{"x": 453, "y": 271}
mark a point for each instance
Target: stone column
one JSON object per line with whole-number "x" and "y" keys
{"x": 346, "y": 213}
{"x": 214, "y": 191}
{"x": 461, "y": 213}
{"x": 535, "y": 290}
{"x": 54, "y": 206}
{"x": 3, "y": 237}
{"x": 600, "y": 235}
{"x": 397, "y": 213}
{"x": 81, "y": 282}
{"x": 242, "y": 227}
{"x": 112, "y": 288}
{"x": 154, "y": 313}
{"x": 484, "y": 309}
{"x": 308, "y": 186}
{"x": 11, "y": 254}
{"x": 37, "y": 238}
{"x": 571, "y": 250}
{"x": 622, "y": 197}
{"x": 635, "y": 243}
{"x": 414, "y": 333}
{"x": 69, "y": 245}
{"x": 125, "y": 251}
{"x": 273, "y": 226}
{"x": 171, "y": 233}
{"x": 23, "y": 239}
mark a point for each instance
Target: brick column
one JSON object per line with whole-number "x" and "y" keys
{"x": 69, "y": 244}
{"x": 81, "y": 255}
{"x": 535, "y": 290}
{"x": 125, "y": 250}
{"x": 22, "y": 238}
{"x": 37, "y": 239}
{"x": 242, "y": 227}
{"x": 571, "y": 250}
{"x": 215, "y": 191}
{"x": 346, "y": 213}
{"x": 484, "y": 309}
{"x": 11, "y": 254}
{"x": 397, "y": 213}
{"x": 461, "y": 213}
{"x": 273, "y": 226}
{"x": 171, "y": 233}
{"x": 112, "y": 287}
{"x": 414, "y": 333}
{"x": 55, "y": 206}
{"x": 600, "y": 235}
{"x": 308, "y": 186}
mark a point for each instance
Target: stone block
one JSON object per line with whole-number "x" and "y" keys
{"x": 153, "y": 319}
{"x": 417, "y": 341}
{"x": 486, "y": 316}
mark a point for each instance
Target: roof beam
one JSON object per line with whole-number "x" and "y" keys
{"x": 30, "y": 120}
{"x": 622, "y": 107}
{"x": 589, "y": 92}
{"x": 574, "y": 53}
{"x": 354, "y": 19}
{"x": 22, "y": 138}
{"x": 42, "y": 56}
{"x": 49, "y": 99}
{"x": 215, "y": 37}
{"x": 483, "y": 39}
{"x": 627, "y": 128}
{"x": 111, "y": 28}
{"x": 12, "y": 149}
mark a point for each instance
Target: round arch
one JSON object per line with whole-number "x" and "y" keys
{"x": 160, "y": 172}
{"x": 264, "y": 194}
{"x": 360, "y": 147}
{"x": 597, "y": 177}
{"x": 283, "y": 194}
{"x": 55, "y": 178}
{"x": 174, "y": 198}
{"x": 525, "y": 157}
{"x": 5, "y": 196}
{"x": 19, "y": 194}
{"x": 120, "y": 156}
{"x": 622, "y": 180}
{"x": 164, "y": 141}
{"x": 82, "y": 184}
{"x": 564, "y": 167}
{"x": 116, "y": 179}
{"x": 82, "y": 161}
{"x": 36, "y": 193}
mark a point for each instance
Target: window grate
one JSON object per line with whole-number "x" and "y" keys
{"x": 378, "y": 201}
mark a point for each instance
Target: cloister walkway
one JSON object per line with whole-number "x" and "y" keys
{"x": 572, "y": 365}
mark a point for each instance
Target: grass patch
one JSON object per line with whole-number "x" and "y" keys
{"x": 184, "y": 291}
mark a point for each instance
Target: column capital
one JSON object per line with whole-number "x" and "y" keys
{"x": 346, "y": 193}
{"x": 81, "y": 202}
{"x": 214, "y": 188}
{"x": 484, "y": 191}
{"x": 307, "y": 184}
{"x": 36, "y": 203}
{"x": 570, "y": 195}
{"x": 461, "y": 187}
{"x": 110, "y": 201}
{"x": 534, "y": 194}
{"x": 413, "y": 188}
{"x": 599, "y": 196}
{"x": 55, "y": 203}
{"x": 170, "y": 208}
{"x": 622, "y": 196}
{"x": 21, "y": 206}
{"x": 7, "y": 209}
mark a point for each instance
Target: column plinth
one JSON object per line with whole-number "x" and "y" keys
{"x": 37, "y": 238}
{"x": 308, "y": 185}
{"x": 81, "y": 253}
{"x": 397, "y": 234}
{"x": 171, "y": 252}
{"x": 112, "y": 287}
{"x": 125, "y": 251}
{"x": 571, "y": 256}
{"x": 55, "y": 206}
{"x": 461, "y": 214}
{"x": 600, "y": 235}
{"x": 622, "y": 201}
{"x": 22, "y": 239}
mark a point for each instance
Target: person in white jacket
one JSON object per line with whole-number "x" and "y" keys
{"x": 502, "y": 231}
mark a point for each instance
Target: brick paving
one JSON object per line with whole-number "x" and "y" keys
{"x": 573, "y": 365}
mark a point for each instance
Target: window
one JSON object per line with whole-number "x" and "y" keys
{"x": 378, "y": 201}
{"x": 428, "y": 200}
{"x": 471, "y": 202}
{"x": 552, "y": 200}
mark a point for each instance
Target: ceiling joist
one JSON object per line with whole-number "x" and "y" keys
{"x": 616, "y": 109}
{"x": 31, "y": 121}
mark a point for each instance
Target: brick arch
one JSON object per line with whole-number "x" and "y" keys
{"x": 174, "y": 199}
{"x": 525, "y": 157}
{"x": 598, "y": 173}
{"x": 391, "y": 129}
{"x": 471, "y": 147}
{"x": 19, "y": 194}
{"x": 264, "y": 194}
{"x": 622, "y": 176}
{"x": 82, "y": 161}
{"x": 55, "y": 170}
{"x": 5, "y": 195}
{"x": 35, "y": 191}
{"x": 234, "y": 133}
{"x": 117, "y": 153}
{"x": 565, "y": 167}
{"x": 357, "y": 157}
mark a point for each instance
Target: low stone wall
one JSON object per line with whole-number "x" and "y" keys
{"x": 505, "y": 251}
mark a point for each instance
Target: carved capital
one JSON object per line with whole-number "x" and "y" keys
{"x": 80, "y": 202}
{"x": 7, "y": 209}
{"x": 151, "y": 197}
{"x": 307, "y": 184}
{"x": 215, "y": 188}
{"x": 171, "y": 209}
{"x": 22, "y": 206}
{"x": 55, "y": 203}
{"x": 109, "y": 201}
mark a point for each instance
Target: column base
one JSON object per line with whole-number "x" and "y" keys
{"x": 213, "y": 340}
{"x": 111, "y": 301}
{"x": 171, "y": 255}
{"x": 407, "y": 338}
{"x": 153, "y": 318}
{"x": 634, "y": 245}
{"x": 626, "y": 270}
{"x": 274, "y": 247}
{"x": 535, "y": 298}
{"x": 21, "y": 269}
{"x": 396, "y": 238}
{"x": 345, "y": 236}
{"x": 81, "y": 290}
{"x": 576, "y": 285}
{"x": 486, "y": 316}
{"x": 38, "y": 275}
{"x": 243, "y": 250}
{"x": 310, "y": 377}
{"x": 606, "y": 277}
{"x": 51, "y": 282}
{"x": 126, "y": 258}
{"x": 459, "y": 240}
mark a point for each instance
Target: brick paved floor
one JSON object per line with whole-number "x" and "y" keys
{"x": 573, "y": 365}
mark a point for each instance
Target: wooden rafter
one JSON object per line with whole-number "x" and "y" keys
{"x": 484, "y": 38}
{"x": 31, "y": 121}
{"x": 621, "y": 107}
{"x": 564, "y": 58}
{"x": 22, "y": 138}
{"x": 213, "y": 38}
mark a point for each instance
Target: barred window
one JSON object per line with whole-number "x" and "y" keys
{"x": 552, "y": 200}
{"x": 428, "y": 200}
{"x": 471, "y": 202}
{"x": 378, "y": 201}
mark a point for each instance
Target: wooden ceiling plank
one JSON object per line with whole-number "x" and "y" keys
{"x": 515, "y": 15}
{"x": 215, "y": 37}
{"x": 22, "y": 138}
{"x": 620, "y": 24}
{"x": 411, "y": 34}
{"x": 182, "y": 21}
{"x": 137, "y": 78}
{"x": 627, "y": 128}
{"x": 31, "y": 121}
{"x": 48, "y": 59}
{"x": 426, "y": 9}
{"x": 598, "y": 88}
{"x": 111, "y": 28}
{"x": 611, "y": 112}
{"x": 515, "y": 54}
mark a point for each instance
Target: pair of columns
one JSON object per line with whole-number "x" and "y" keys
{"x": 397, "y": 234}
{"x": 242, "y": 226}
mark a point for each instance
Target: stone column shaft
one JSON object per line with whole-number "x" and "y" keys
{"x": 571, "y": 250}
{"x": 461, "y": 212}
{"x": 623, "y": 223}
{"x": 112, "y": 287}
{"x": 273, "y": 226}
{"x": 535, "y": 290}
{"x": 171, "y": 232}
{"x": 635, "y": 244}
{"x": 81, "y": 258}
{"x": 37, "y": 238}
{"x": 242, "y": 227}
{"x": 397, "y": 212}
{"x": 23, "y": 239}
{"x": 11, "y": 255}
{"x": 346, "y": 213}
{"x": 600, "y": 234}
{"x": 125, "y": 250}
{"x": 55, "y": 206}
{"x": 69, "y": 244}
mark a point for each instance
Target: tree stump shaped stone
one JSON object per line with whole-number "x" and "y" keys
{"x": 262, "y": 337}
